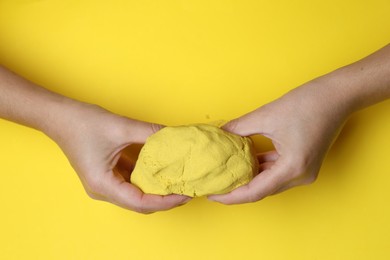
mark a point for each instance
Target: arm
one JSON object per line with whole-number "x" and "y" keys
{"x": 92, "y": 138}
{"x": 303, "y": 123}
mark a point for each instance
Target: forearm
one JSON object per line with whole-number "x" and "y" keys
{"x": 25, "y": 103}
{"x": 363, "y": 83}
{"x": 303, "y": 123}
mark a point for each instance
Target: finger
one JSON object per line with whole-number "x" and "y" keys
{"x": 270, "y": 156}
{"x": 124, "y": 166}
{"x": 151, "y": 203}
{"x": 294, "y": 183}
{"x": 265, "y": 166}
{"x": 264, "y": 184}
{"x": 283, "y": 188}
{"x": 245, "y": 125}
{"x": 139, "y": 131}
{"x": 128, "y": 196}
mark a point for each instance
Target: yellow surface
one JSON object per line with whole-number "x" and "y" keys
{"x": 194, "y": 160}
{"x": 178, "y": 62}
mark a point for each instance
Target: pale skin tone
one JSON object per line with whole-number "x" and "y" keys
{"x": 91, "y": 137}
{"x": 302, "y": 125}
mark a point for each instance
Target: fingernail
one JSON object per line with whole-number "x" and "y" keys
{"x": 187, "y": 199}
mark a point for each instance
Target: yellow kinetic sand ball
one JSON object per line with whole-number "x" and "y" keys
{"x": 194, "y": 160}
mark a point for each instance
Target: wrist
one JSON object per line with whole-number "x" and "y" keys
{"x": 339, "y": 92}
{"x": 365, "y": 82}
{"x": 60, "y": 115}
{"x": 323, "y": 97}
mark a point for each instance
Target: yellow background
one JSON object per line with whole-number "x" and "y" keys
{"x": 178, "y": 62}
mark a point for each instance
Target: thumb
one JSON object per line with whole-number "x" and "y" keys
{"x": 248, "y": 124}
{"x": 264, "y": 184}
{"x": 126, "y": 195}
{"x": 139, "y": 131}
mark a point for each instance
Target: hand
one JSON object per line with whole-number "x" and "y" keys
{"x": 93, "y": 140}
{"x": 302, "y": 125}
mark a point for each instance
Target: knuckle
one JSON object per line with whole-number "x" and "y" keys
{"x": 92, "y": 195}
{"x": 301, "y": 173}
{"x": 253, "y": 197}
{"x": 298, "y": 168}
{"x": 310, "y": 179}
{"x": 156, "y": 127}
{"x": 94, "y": 188}
{"x": 140, "y": 208}
{"x": 305, "y": 171}
{"x": 143, "y": 210}
{"x": 231, "y": 125}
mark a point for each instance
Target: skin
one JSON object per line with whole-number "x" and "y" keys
{"x": 303, "y": 123}
{"x": 91, "y": 137}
